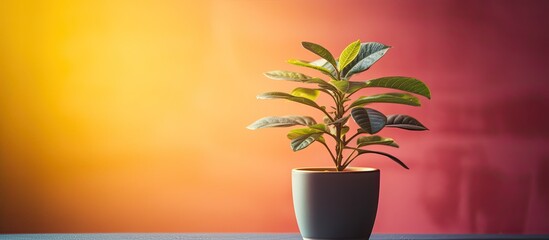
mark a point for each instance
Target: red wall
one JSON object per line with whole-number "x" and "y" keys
{"x": 129, "y": 117}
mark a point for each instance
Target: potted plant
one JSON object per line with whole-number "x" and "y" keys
{"x": 340, "y": 202}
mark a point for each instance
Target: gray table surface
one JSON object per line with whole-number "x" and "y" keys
{"x": 256, "y": 236}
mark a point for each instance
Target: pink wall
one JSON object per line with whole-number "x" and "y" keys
{"x": 126, "y": 117}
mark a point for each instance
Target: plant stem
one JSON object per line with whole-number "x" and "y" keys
{"x": 340, "y": 143}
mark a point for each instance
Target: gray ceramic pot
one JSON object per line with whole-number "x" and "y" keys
{"x": 335, "y": 205}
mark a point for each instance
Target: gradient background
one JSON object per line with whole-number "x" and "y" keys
{"x": 129, "y": 116}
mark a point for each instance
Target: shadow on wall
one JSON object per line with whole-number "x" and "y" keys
{"x": 489, "y": 179}
{"x": 488, "y": 169}
{"x": 514, "y": 116}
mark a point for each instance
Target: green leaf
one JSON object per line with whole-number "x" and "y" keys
{"x": 309, "y": 93}
{"x": 300, "y": 132}
{"x": 332, "y": 129}
{"x": 404, "y": 122}
{"x": 323, "y": 84}
{"x": 375, "y": 140}
{"x": 355, "y": 86}
{"x": 349, "y": 86}
{"x": 341, "y": 85}
{"x": 395, "y": 159}
{"x": 321, "y": 139}
{"x": 281, "y": 95}
{"x": 325, "y": 64}
{"x": 400, "y": 98}
{"x": 284, "y": 121}
{"x": 407, "y": 84}
{"x": 344, "y": 130}
{"x": 342, "y": 120}
{"x": 348, "y": 54}
{"x": 287, "y": 75}
{"x": 299, "y": 77}
{"x": 309, "y": 65}
{"x": 369, "y": 54}
{"x": 304, "y": 141}
{"x": 370, "y": 120}
{"x": 320, "y": 51}
{"x": 321, "y": 127}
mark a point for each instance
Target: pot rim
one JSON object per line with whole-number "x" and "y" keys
{"x": 331, "y": 170}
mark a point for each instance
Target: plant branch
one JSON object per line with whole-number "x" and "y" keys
{"x": 331, "y": 135}
{"x": 352, "y": 137}
{"x": 351, "y": 94}
{"x": 333, "y": 97}
{"x": 345, "y": 110}
{"x": 330, "y": 151}
{"x": 350, "y": 161}
{"x": 327, "y": 114}
{"x": 347, "y": 162}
